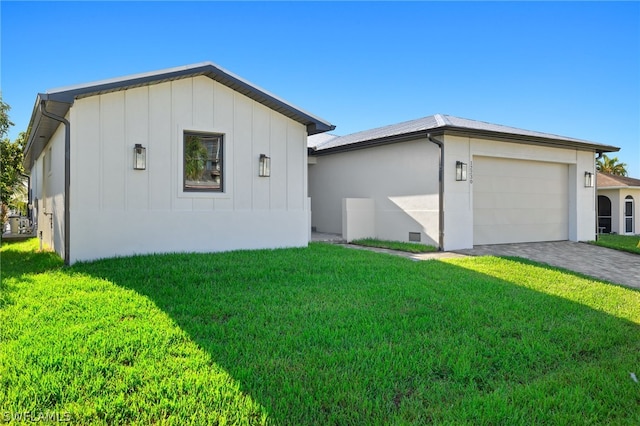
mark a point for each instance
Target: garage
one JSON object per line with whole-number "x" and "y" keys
{"x": 519, "y": 201}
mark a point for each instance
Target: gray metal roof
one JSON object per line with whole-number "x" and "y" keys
{"x": 440, "y": 124}
{"x": 59, "y": 101}
{"x": 314, "y": 141}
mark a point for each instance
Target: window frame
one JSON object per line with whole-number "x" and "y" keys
{"x": 628, "y": 216}
{"x": 221, "y": 144}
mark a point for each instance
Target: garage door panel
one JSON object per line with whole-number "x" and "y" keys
{"x": 494, "y": 201}
{"x": 519, "y": 201}
{"x": 520, "y": 233}
{"x": 519, "y": 217}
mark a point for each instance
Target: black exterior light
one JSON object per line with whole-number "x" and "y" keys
{"x": 588, "y": 180}
{"x": 461, "y": 171}
{"x": 265, "y": 166}
{"x": 139, "y": 157}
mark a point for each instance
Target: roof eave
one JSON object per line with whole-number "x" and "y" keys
{"x": 404, "y": 137}
{"x": 466, "y": 132}
{"x": 619, "y": 187}
{"x": 66, "y": 96}
{"x": 530, "y": 140}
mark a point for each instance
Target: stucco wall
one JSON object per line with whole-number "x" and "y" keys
{"x": 459, "y": 195}
{"x": 401, "y": 178}
{"x": 617, "y": 197}
{"x": 116, "y": 210}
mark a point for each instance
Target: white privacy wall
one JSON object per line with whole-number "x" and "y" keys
{"x": 401, "y": 179}
{"x": 116, "y": 210}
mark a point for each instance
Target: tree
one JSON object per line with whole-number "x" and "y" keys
{"x": 195, "y": 154}
{"x": 5, "y": 123}
{"x": 11, "y": 169}
{"x": 611, "y": 166}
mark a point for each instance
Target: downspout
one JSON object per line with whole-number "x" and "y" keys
{"x": 595, "y": 191}
{"x": 441, "y": 191}
{"x": 28, "y": 194}
{"x": 67, "y": 174}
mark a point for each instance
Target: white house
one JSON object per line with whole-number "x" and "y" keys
{"x": 169, "y": 161}
{"x": 617, "y": 198}
{"x": 454, "y": 183}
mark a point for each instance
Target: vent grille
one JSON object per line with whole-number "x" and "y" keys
{"x": 414, "y": 237}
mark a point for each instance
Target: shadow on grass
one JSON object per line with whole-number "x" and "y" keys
{"x": 21, "y": 257}
{"x": 330, "y": 335}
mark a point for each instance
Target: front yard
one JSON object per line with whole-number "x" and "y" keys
{"x": 629, "y": 243}
{"x": 324, "y": 335}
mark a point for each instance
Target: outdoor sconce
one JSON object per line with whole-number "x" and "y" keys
{"x": 461, "y": 171}
{"x": 139, "y": 157}
{"x": 588, "y": 180}
{"x": 265, "y": 166}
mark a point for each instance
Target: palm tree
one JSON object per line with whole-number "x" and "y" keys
{"x": 611, "y": 166}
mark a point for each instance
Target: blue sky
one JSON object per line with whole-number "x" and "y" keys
{"x": 568, "y": 68}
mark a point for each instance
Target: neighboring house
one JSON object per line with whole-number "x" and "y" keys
{"x": 169, "y": 161}
{"x": 454, "y": 183}
{"x": 617, "y": 204}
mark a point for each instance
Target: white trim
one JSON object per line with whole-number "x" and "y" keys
{"x": 628, "y": 199}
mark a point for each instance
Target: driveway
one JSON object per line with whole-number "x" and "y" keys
{"x": 599, "y": 262}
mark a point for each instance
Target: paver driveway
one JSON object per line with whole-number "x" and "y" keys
{"x": 599, "y": 262}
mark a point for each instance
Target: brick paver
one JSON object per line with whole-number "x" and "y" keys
{"x": 610, "y": 265}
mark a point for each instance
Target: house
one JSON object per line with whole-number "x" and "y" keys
{"x": 188, "y": 159}
{"x": 617, "y": 198}
{"x": 454, "y": 183}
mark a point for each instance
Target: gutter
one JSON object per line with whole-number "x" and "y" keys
{"x": 67, "y": 173}
{"x": 440, "y": 191}
{"x": 595, "y": 192}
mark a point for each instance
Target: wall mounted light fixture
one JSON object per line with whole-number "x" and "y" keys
{"x": 461, "y": 171}
{"x": 588, "y": 180}
{"x": 265, "y": 166}
{"x": 139, "y": 157}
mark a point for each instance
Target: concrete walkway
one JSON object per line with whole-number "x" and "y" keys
{"x": 610, "y": 265}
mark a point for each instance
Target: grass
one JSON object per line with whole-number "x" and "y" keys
{"x": 324, "y": 335}
{"x": 628, "y": 243}
{"x": 395, "y": 245}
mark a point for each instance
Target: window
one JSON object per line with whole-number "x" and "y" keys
{"x": 628, "y": 214}
{"x": 604, "y": 214}
{"x": 202, "y": 162}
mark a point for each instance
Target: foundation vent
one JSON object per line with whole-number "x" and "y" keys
{"x": 414, "y": 236}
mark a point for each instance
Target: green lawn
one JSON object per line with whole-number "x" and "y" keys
{"x": 630, "y": 243}
{"x": 324, "y": 335}
{"x": 395, "y": 245}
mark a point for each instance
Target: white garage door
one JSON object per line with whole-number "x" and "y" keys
{"x": 519, "y": 201}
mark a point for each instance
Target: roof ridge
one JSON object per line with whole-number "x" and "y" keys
{"x": 441, "y": 119}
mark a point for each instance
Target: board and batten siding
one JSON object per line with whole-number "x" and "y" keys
{"x": 116, "y": 210}
{"x": 47, "y": 186}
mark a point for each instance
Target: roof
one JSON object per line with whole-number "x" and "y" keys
{"x": 439, "y": 124}
{"x": 605, "y": 180}
{"x": 58, "y": 101}
{"x": 314, "y": 141}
